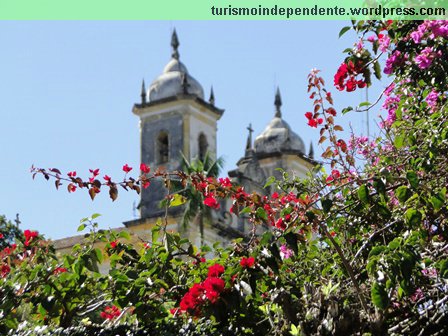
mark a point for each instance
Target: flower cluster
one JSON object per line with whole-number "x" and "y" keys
{"x": 200, "y": 293}
{"x": 345, "y": 77}
{"x": 110, "y": 312}
{"x": 247, "y": 262}
{"x": 29, "y": 235}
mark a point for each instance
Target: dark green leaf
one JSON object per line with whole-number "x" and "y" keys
{"x": 326, "y": 204}
{"x": 413, "y": 217}
{"x": 403, "y": 193}
{"x": 363, "y": 194}
{"x": 379, "y": 296}
{"x": 344, "y": 30}
{"x": 412, "y": 178}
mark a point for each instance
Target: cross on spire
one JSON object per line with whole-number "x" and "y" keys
{"x": 175, "y": 44}
{"x": 278, "y": 104}
{"x": 249, "y": 138}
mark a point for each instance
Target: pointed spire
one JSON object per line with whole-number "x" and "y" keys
{"x": 311, "y": 152}
{"x": 143, "y": 93}
{"x": 175, "y": 44}
{"x": 278, "y": 104}
{"x": 211, "y": 100}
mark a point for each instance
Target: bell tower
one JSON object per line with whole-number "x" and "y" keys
{"x": 175, "y": 120}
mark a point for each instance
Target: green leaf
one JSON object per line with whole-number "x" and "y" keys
{"x": 269, "y": 181}
{"x": 125, "y": 235}
{"x": 344, "y": 30}
{"x": 403, "y": 193}
{"x": 363, "y": 194}
{"x": 436, "y": 202}
{"x": 377, "y": 250}
{"x": 246, "y": 210}
{"x": 413, "y": 217}
{"x": 99, "y": 255}
{"x": 399, "y": 140}
{"x": 366, "y": 103}
{"x": 377, "y": 69}
{"x": 81, "y": 227}
{"x": 347, "y": 109}
{"x": 379, "y": 296}
{"x": 177, "y": 200}
{"x": 261, "y": 213}
{"x": 326, "y": 205}
{"x": 412, "y": 178}
{"x": 95, "y": 215}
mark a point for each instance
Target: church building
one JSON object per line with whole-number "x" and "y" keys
{"x": 177, "y": 120}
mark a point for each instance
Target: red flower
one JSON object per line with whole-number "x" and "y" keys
{"x": 113, "y": 244}
{"x": 211, "y": 202}
{"x": 147, "y": 245}
{"x": 110, "y": 312}
{"x": 144, "y": 168}
{"x": 215, "y": 271}
{"x": 309, "y": 115}
{"x": 1, "y": 235}
{"x": 71, "y": 174}
{"x": 29, "y": 235}
{"x": 59, "y": 270}
{"x": 312, "y": 123}
{"x": 146, "y": 184}
{"x": 126, "y": 168}
{"x": 247, "y": 262}
{"x": 4, "y": 270}
{"x": 107, "y": 178}
{"x": 95, "y": 172}
{"x": 213, "y": 288}
{"x": 225, "y": 182}
{"x": 280, "y": 224}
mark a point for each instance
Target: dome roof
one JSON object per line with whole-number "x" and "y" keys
{"x": 175, "y": 78}
{"x": 278, "y": 135}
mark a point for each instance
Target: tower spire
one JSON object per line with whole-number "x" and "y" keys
{"x": 278, "y": 104}
{"x": 175, "y": 44}
{"x": 143, "y": 93}
{"x": 311, "y": 152}
{"x": 249, "y": 140}
{"x": 211, "y": 100}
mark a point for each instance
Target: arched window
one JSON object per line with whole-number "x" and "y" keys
{"x": 162, "y": 147}
{"x": 203, "y": 145}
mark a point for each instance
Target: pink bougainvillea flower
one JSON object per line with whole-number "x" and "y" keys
{"x": 211, "y": 201}
{"x": 145, "y": 169}
{"x": 59, "y": 270}
{"x": 247, "y": 262}
{"x": 113, "y": 244}
{"x": 225, "y": 182}
{"x": 29, "y": 235}
{"x": 126, "y": 168}
{"x": 4, "y": 270}
{"x": 213, "y": 288}
{"x": 110, "y": 312}
{"x": 95, "y": 172}
{"x": 215, "y": 271}
{"x": 71, "y": 174}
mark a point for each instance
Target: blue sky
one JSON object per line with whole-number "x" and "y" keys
{"x": 67, "y": 89}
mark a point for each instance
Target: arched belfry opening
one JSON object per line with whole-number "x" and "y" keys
{"x": 202, "y": 145}
{"x": 163, "y": 147}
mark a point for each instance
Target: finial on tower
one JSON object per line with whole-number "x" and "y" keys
{"x": 211, "y": 100}
{"x": 175, "y": 45}
{"x": 143, "y": 93}
{"x": 278, "y": 104}
{"x": 249, "y": 139}
{"x": 311, "y": 152}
